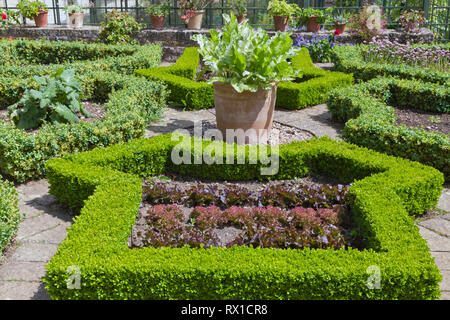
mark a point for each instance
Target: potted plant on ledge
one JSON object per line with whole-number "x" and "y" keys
{"x": 340, "y": 21}
{"x": 76, "y": 15}
{"x": 193, "y": 12}
{"x": 281, "y": 12}
{"x": 247, "y": 65}
{"x": 158, "y": 13}
{"x": 35, "y": 10}
{"x": 313, "y": 18}
{"x": 240, "y": 9}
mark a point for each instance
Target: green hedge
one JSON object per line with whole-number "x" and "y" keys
{"x": 9, "y": 212}
{"x": 130, "y": 102}
{"x": 106, "y": 185}
{"x": 350, "y": 60}
{"x": 370, "y": 121}
{"x": 180, "y": 78}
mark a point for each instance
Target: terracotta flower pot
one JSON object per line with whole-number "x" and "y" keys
{"x": 241, "y": 19}
{"x": 246, "y": 110}
{"x": 280, "y": 22}
{"x": 157, "y": 21}
{"x": 340, "y": 27}
{"x": 76, "y": 19}
{"x": 312, "y": 25}
{"x": 195, "y": 22}
{"x": 41, "y": 20}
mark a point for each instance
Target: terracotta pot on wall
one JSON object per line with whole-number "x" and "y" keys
{"x": 340, "y": 27}
{"x": 76, "y": 19}
{"x": 157, "y": 21}
{"x": 246, "y": 110}
{"x": 41, "y": 20}
{"x": 312, "y": 25}
{"x": 195, "y": 23}
{"x": 280, "y": 22}
{"x": 241, "y": 19}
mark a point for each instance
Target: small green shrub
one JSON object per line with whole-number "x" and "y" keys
{"x": 180, "y": 79}
{"x": 9, "y": 212}
{"x": 350, "y": 60}
{"x": 130, "y": 102}
{"x": 370, "y": 121}
{"x": 386, "y": 191}
{"x": 118, "y": 27}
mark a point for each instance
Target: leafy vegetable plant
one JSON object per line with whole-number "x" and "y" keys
{"x": 246, "y": 58}
{"x": 57, "y": 100}
{"x": 281, "y": 8}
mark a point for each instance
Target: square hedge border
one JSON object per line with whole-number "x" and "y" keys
{"x": 131, "y": 102}
{"x": 350, "y": 60}
{"x": 370, "y": 121}
{"x": 106, "y": 185}
{"x": 9, "y": 212}
{"x": 194, "y": 95}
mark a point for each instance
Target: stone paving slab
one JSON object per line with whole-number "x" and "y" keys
{"x": 441, "y": 259}
{"x": 445, "y": 283}
{"x": 445, "y": 295}
{"x": 438, "y": 225}
{"x": 435, "y": 241}
{"x": 34, "y": 252}
{"x": 22, "y": 271}
{"x": 444, "y": 201}
{"x": 23, "y": 290}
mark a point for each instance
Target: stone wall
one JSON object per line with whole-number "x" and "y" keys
{"x": 175, "y": 40}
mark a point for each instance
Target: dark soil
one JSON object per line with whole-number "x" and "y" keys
{"x": 429, "y": 121}
{"x": 96, "y": 110}
{"x": 228, "y": 233}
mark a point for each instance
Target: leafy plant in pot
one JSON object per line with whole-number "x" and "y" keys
{"x": 313, "y": 18}
{"x": 340, "y": 21}
{"x": 193, "y": 12}
{"x": 281, "y": 12}
{"x": 247, "y": 65}
{"x": 158, "y": 13}
{"x": 76, "y": 15}
{"x": 36, "y": 10}
{"x": 240, "y": 9}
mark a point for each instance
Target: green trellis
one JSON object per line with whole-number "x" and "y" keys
{"x": 436, "y": 11}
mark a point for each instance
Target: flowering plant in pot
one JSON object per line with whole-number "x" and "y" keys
{"x": 367, "y": 23}
{"x": 281, "y": 11}
{"x": 157, "y": 13}
{"x": 193, "y": 12}
{"x": 240, "y": 9}
{"x": 247, "y": 65}
{"x": 412, "y": 20}
{"x": 36, "y": 10}
{"x": 340, "y": 20}
{"x": 76, "y": 15}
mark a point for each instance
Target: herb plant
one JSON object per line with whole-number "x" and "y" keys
{"x": 30, "y": 8}
{"x": 245, "y": 58}
{"x": 160, "y": 9}
{"x": 281, "y": 8}
{"x": 239, "y": 7}
{"x": 57, "y": 101}
{"x": 73, "y": 8}
{"x": 118, "y": 28}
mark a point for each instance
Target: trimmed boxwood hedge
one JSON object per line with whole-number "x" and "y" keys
{"x": 350, "y": 60}
{"x": 106, "y": 185}
{"x": 180, "y": 78}
{"x": 9, "y": 212}
{"x": 131, "y": 103}
{"x": 370, "y": 121}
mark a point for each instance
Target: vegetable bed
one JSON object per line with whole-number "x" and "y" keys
{"x": 106, "y": 185}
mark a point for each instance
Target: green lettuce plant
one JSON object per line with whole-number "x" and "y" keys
{"x": 57, "y": 101}
{"x": 247, "y": 58}
{"x": 281, "y": 8}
